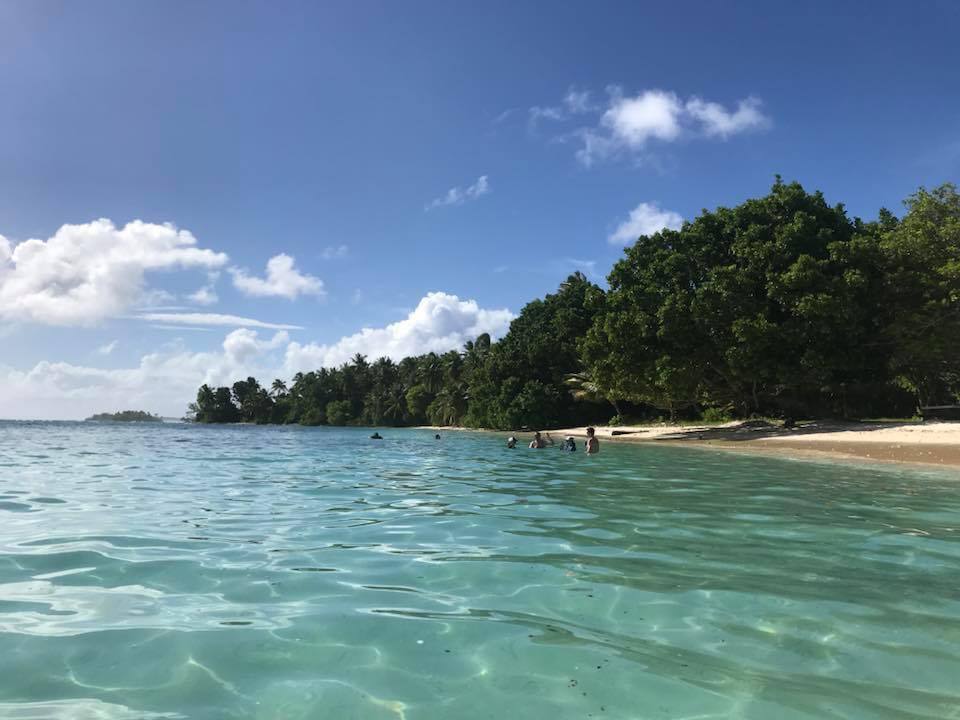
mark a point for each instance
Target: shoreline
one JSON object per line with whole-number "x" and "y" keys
{"x": 904, "y": 443}
{"x": 930, "y": 445}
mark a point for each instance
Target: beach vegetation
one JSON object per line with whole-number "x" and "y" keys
{"x": 782, "y": 307}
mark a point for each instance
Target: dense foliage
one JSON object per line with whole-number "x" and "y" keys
{"x": 780, "y": 306}
{"x": 125, "y": 416}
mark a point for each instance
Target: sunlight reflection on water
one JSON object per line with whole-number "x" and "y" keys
{"x": 206, "y": 572}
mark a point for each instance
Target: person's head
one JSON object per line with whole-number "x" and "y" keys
{"x": 511, "y": 441}
{"x": 536, "y": 435}
{"x": 591, "y": 431}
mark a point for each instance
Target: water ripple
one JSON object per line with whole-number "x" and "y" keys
{"x": 188, "y": 572}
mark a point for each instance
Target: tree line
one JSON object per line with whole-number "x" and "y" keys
{"x": 782, "y": 306}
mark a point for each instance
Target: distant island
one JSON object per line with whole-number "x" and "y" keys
{"x": 125, "y": 416}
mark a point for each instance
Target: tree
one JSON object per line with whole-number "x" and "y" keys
{"x": 761, "y": 308}
{"x": 431, "y": 373}
{"x": 923, "y": 289}
{"x": 781, "y": 305}
{"x": 541, "y": 346}
{"x": 338, "y": 412}
{"x": 418, "y": 398}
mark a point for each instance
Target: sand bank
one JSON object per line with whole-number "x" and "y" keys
{"x": 903, "y": 442}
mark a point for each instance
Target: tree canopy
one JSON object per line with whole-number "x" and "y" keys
{"x": 782, "y": 306}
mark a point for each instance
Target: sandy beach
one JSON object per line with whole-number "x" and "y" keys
{"x": 901, "y": 442}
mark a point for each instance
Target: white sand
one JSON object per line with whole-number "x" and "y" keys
{"x": 947, "y": 433}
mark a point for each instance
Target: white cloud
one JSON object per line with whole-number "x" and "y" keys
{"x": 156, "y": 298}
{"x": 167, "y": 380}
{"x": 334, "y": 253}
{"x": 204, "y": 296}
{"x": 242, "y": 345}
{"x": 108, "y": 348}
{"x": 458, "y": 196}
{"x": 189, "y": 318}
{"x": 717, "y": 120}
{"x": 538, "y": 113}
{"x": 632, "y": 121}
{"x": 575, "y": 102}
{"x": 86, "y": 273}
{"x": 282, "y": 280}
{"x": 163, "y": 382}
{"x": 578, "y": 101}
{"x": 181, "y": 328}
{"x": 645, "y": 219}
{"x": 629, "y": 123}
{"x": 440, "y": 322}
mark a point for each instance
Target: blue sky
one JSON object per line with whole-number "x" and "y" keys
{"x": 325, "y": 131}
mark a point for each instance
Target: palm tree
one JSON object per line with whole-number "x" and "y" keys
{"x": 475, "y": 351}
{"x": 395, "y": 404}
{"x": 585, "y": 389}
{"x": 451, "y": 362}
{"x": 278, "y": 388}
{"x": 450, "y": 405}
{"x": 431, "y": 372}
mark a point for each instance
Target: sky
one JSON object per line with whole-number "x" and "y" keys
{"x": 196, "y": 192}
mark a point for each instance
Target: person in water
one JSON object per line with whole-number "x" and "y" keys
{"x": 437, "y": 436}
{"x": 538, "y": 443}
{"x": 376, "y": 436}
{"x": 569, "y": 444}
{"x": 592, "y": 444}
{"x": 511, "y": 442}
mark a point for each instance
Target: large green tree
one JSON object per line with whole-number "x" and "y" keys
{"x": 923, "y": 295}
{"x": 780, "y": 305}
{"x": 765, "y": 307}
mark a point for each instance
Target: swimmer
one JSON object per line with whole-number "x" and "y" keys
{"x": 376, "y": 436}
{"x": 592, "y": 444}
{"x": 569, "y": 444}
{"x": 511, "y": 442}
{"x": 538, "y": 443}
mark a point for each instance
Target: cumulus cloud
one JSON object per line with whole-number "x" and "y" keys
{"x": 644, "y": 219}
{"x": 163, "y": 382}
{"x": 627, "y": 124}
{"x": 458, "y": 195}
{"x": 188, "y": 318}
{"x": 86, "y": 273}
{"x": 282, "y": 280}
{"x": 242, "y": 344}
{"x": 167, "y": 380}
{"x": 440, "y": 322}
{"x": 717, "y": 120}
{"x": 633, "y": 121}
{"x": 204, "y": 296}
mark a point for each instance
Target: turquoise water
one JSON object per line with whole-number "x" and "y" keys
{"x": 244, "y": 572}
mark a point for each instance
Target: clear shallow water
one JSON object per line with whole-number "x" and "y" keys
{"x": 214, "y": 572}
